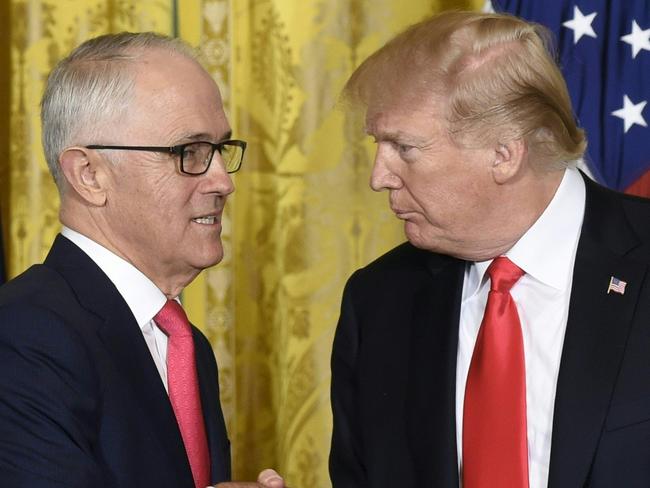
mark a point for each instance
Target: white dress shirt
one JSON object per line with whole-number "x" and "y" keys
{"x": 143, "y": 297}
{"x": 546, "y": 252}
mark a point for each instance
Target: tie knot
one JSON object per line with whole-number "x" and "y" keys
{"x": 172, "y": 320}
{"x": 503, "y": 274}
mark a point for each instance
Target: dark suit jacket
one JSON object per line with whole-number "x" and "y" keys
{"x": 81, "y": 402}
{"x": 394, "y": 363}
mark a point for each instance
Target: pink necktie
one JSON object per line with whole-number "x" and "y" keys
{"x": 495, "y": 447}
{"x": 183, "y": 386}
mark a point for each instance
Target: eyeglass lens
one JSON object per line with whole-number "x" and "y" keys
{"x": 197, "y": 157}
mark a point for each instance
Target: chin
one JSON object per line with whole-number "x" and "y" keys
{"x": 209, "y": 258}
{"x": 418, "y": 240}
{"x": 433, "y": 244}
{"x": 431, "y": 247}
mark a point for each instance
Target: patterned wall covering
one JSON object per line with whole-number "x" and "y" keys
{"x": 302, "y": 217}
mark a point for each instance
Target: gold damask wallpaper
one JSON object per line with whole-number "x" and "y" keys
{"x": 302, "y": 217}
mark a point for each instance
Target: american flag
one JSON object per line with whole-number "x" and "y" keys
{"x": 616, "y": 285}
{"x": 604, "y": 52}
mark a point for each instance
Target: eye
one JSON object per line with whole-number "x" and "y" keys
{"x": 401, "y": 148}
{"x": 189, "y": 151}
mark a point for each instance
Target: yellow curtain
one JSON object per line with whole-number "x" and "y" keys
{"x": 302, "y": 217}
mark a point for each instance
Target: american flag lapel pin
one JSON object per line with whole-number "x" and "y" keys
{"x": 616, "y": 285}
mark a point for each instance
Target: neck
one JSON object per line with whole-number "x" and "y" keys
{"x": 519, "y": 206}
{"x": 168, "y": 281}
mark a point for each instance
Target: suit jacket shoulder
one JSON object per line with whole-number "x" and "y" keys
{"x": 400, "y": 270}
{"x": 616, "y": 222}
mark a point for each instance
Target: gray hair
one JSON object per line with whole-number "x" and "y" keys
{"x": 93, "y": 85}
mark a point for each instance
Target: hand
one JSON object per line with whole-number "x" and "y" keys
{"x": 266, "y": 479}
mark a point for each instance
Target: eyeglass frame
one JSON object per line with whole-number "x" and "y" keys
{"x": 178, "y": 150}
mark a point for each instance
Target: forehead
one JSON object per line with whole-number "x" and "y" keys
{"x": 392, "y": 120}
{"x": 175, "y": 95}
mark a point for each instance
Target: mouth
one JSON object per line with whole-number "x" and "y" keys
{"x": 206, "y": 220}
{"x": 403, "y": 214}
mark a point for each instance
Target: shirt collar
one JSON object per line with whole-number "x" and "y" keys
{"x": 557, "y": 230}
{"x": 142, "y": 296}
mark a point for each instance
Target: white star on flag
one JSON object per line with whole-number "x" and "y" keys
{"x": 488, "y": 7}
{"x": 580, "y": 24}
{"x": 631, "y": 113}
{"x": 638, "y": 39}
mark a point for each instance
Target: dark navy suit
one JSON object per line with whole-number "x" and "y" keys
{"x": 394, "y": 363}
{"x": 82, "y": 404}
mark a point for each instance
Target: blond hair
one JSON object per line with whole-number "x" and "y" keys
{"x": 493, "y": 75}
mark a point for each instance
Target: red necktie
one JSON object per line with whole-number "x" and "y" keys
{"x": 183, "y": 386}
{"x": 495, "y": 446}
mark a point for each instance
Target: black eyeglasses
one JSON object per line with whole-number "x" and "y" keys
{"x": 195, "y": 157}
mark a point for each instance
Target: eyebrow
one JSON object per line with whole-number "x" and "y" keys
{"x": 386, "y": 135}
{"x": 397, "y": 136}
{"x": 202, "y": 136}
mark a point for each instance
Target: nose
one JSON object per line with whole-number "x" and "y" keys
{"x": 218, "y": 180}
{"x": 382, "y": 177}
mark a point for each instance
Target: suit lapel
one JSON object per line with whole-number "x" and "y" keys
{"x": 132, "y": 358}
{"x": 215, "y": 427}
{"x": 126, "y": 346}
{"x": 597, "y": 329}
{"x": 432, "y": 373}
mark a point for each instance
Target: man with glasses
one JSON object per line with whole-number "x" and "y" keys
{"x": 104, "y": 382}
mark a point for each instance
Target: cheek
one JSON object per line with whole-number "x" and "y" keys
{"x": 148, "y": 200}
{"x": 164, "y": 195}
{"x": 446, "y": 204}
{"x": 434, "y": 196}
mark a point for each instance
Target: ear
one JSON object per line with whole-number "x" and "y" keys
{"x": 84, "y": 172}
{"x": 509, "y": 159}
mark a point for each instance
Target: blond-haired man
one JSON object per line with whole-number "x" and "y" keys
{"x": 507, "y": 343}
